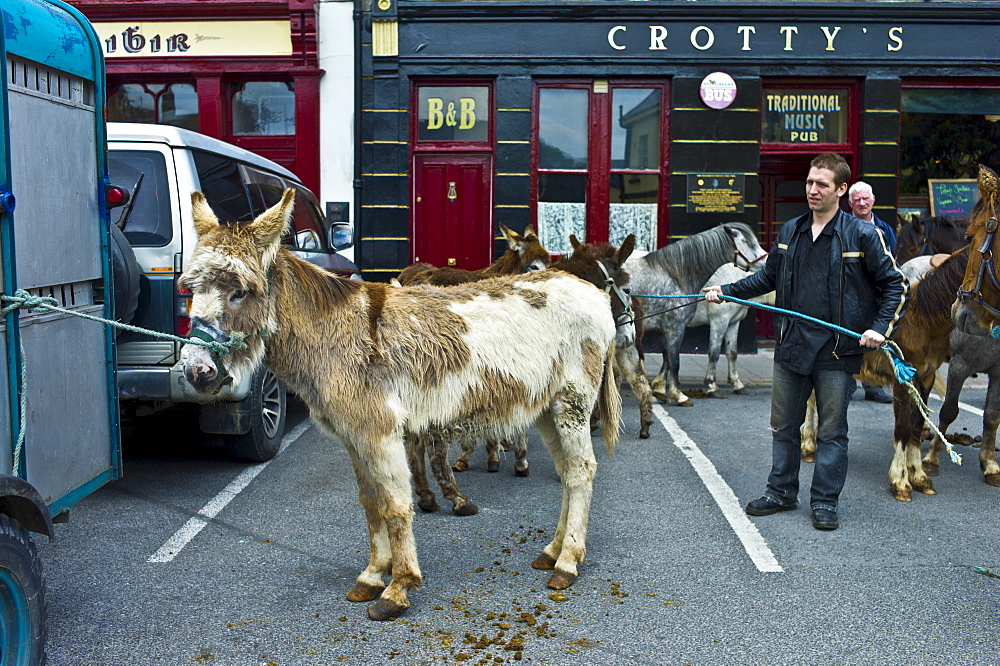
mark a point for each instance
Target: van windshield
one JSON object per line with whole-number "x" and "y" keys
{"x": 148, "y": 223}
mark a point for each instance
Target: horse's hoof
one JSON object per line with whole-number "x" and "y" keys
{"x": 661, "y": 396}
{"x": 363, "y": 592}
{"x": 902, "y": 496}
{"x": 460, "y": 466}
{"x": 992, "y": 479}
{"x": 543, "y": 561}
{"x": 522, "y": 472}
{"x": 926, "y": 490}
{"x": 560, "y": 580}
{"x": 383, "y": 610}
{"x": 430, "y": 506}
{"x": 467, "y": 509}
{"x": 808, "y": 457}
{"x": 740, "y": 391}
{"x": 687, "y": 402}
{"x": 493, "y": 466}
{"x": 931, "y": 469}
{"x": 644, "y": 432}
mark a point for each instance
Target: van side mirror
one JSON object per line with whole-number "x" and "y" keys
{"x": 339, "y": 218}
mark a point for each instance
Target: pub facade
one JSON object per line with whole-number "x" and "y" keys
{"x": 657, "y": 118}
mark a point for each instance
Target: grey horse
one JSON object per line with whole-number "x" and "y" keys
{"x": 682, "y": 268}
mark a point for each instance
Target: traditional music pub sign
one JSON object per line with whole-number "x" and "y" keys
{"x": 801, "y": 115}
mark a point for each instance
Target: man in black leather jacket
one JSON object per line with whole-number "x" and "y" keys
{"x": 831, "y": 266}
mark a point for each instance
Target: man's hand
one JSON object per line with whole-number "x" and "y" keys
{"x": 872, "y": 339}
{"x": 713, "y": 294}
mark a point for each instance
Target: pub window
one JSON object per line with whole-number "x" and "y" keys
{"x": 264, "y": 108}
{"x": 804, "y": 115}
{"x": 162, "y": 103}
{"x": 599, "y": 172}
{"x": 458, "y": 113}
{"x": 945, "y": 133}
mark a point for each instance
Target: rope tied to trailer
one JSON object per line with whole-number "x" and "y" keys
{"x": 42, "y": 304}
{"x": 903, "y": 371}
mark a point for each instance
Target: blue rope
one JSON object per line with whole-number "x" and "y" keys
{"x": 903, "y": 371}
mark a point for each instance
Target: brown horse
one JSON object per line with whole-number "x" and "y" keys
{"x": 374, "y": 362}
{"x": 921, "y": 236}
{"x": 923, "y": 337}
{"x": 600, "y": 266}
{"x": 524, "y": 254}
{"x": 978, "y": 306}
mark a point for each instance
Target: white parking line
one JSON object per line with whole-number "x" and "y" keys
{"x": 724, "y": 496}
{"x": 173, "y": 546}
{"x": 961, "y": 405}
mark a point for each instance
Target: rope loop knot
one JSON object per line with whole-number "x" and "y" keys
{"x": 24, "y": 299}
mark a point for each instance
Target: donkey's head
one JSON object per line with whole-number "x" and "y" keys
{"x": 531, "y": 255}
{"x": 229, "y": 280}
{"x": 602, "y": 264}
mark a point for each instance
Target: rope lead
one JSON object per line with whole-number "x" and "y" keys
{"x": 903, "y": 371}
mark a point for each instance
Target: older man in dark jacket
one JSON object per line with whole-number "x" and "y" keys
{"x": 831, "y": 266}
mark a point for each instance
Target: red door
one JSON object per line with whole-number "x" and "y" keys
{"x": 452, "y": 225}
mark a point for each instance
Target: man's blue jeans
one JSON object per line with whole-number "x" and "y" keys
{"x": 789, "y": 393}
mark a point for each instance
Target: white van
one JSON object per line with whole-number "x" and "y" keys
{"x": 161, "y": 165}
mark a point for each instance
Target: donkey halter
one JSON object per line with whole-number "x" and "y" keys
{"x": 739, "y": 255}
{"x": 626, "y": 317}
{"x": 985, "y": 268}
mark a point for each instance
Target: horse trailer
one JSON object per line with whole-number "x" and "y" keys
{"x": 59, "y": 435}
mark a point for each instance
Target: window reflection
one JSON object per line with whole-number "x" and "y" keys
{"x": 264, "y": 108}
{"x": 635, "y": 132}
{"x": 562, "y": 128}
{"x": 173, "y": 104}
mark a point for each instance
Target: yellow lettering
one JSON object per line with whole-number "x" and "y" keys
{"x": 468, "y": 113}
{"x": 830, "y": 36}
{"x": 746, "y": 31}
{"x": 435, "y": 119}
{"x": 788, "y": 31}
{"x": 896, "y": 35}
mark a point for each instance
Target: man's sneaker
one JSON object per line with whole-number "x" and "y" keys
{"x": 825, "y": 519}
{"x": 877, "y": 394}
{"x": 765, "y": 506}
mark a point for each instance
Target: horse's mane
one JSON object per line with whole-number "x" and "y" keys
{"x": 697, "y": 254}
{"x": 324, "y": 290}
{"x": 936, "y": 292}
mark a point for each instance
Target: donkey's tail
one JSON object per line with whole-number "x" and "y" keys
{"x": 609, "y": 402}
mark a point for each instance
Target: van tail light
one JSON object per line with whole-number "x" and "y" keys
{"x": 115, "y": 196}
{"x": 182, "y": 311}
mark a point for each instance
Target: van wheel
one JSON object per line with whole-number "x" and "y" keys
{"x": 23, "y": 613}
{"x": 268, "y": 404}
{"x": 125, "y": 276}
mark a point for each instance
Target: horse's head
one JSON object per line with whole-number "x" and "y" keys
{"x": 977, "y": 309}
{"x": 533, "y": 256}
{"x": 929, "y": 235}
{"x": 603, "y": 265}
{"x": 229, "y": 280}
{"x": 747, "y": 252}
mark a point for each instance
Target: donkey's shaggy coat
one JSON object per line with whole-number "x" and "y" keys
{"x": 375, "y": 362}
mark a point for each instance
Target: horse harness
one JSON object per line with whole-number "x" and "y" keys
{"x": 985, "y": 268}
{"x": 626, "y": 317}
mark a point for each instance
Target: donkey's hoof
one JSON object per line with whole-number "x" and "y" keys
{"x": 460, "y": 466}
{"x": 430, "y": 506}
{"x": 808, "y": 457}
{"x": 383, "y": 610}
{"x": 363, "y": 592}
{"x": 560, "y": 580}
{"x": 902, "y": 496}
{"x": 493, "y": 466}
{"x": 925, "y": 487}
{"x": 661, "y": 396}
{"x": 644, "y": 432}
{"x": 522, "y": 472}
{"x": 543, "y": 561}
{"x": 740, "y": 391}
{"x": 992, "y": 479}
{"x": 686, "y": 402}
{"x": 931, "y": 469}
{"x": 467, "y": 509}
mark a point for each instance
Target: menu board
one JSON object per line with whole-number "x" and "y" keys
{"x": 953, "y": 197}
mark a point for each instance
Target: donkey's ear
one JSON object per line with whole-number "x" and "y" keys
{"x": 529, "y": 231}
{"x": 575, "y": 242}
{"x": 204, "y": 219}
{"x": 988, "y": 184}
{"x": 625, "y": 250}
{"x": 270, "y": 225}
{"x": 515, "y": 241}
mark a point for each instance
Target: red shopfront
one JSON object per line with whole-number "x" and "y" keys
{"x": 244, "y": 72}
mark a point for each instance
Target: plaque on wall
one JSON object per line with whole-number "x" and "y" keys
{"x": 715, "y": 193}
